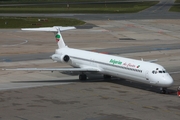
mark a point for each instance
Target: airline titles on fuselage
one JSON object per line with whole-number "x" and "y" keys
{"x": 118, "y": 62}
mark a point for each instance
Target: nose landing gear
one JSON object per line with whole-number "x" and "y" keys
{"x": 163, "y": 90}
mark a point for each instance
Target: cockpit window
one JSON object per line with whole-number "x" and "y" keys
{"x": 158, "y": 71}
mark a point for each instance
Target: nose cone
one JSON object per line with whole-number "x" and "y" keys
{"x": 168, "y": 81}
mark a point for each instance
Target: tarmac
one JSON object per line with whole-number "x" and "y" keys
{"x": 44, "y": 95}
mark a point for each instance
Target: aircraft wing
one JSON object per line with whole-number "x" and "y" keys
{"x": 152, "y": 61}
{"x": 57, "y": 69}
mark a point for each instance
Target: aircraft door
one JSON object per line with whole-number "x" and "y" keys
{"x": 150, "y": 78}
{"x": 147, "y": 75}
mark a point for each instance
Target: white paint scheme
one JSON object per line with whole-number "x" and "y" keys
{"x": 86, "y": 61}
{"x": 101, "y": 62}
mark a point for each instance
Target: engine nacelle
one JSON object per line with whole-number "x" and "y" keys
{"x": 65, "y": 58}
{"x": 60, "y": 58}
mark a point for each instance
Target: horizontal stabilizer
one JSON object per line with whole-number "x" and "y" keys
{"x": 50, "y": 29}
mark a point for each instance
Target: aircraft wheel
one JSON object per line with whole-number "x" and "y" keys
{"x": 163, "y": 90}
{"x": 82, "y": 77}
{"x": 107, "y": 76}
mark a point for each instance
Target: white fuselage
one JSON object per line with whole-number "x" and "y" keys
{"x": 136, "y": 70}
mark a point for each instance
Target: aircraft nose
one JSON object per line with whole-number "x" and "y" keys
{"x": 168, "y": 80}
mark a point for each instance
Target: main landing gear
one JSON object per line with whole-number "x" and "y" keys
{"x": 107, "y": 76}
{"x": 82, "y": 77}
{"x": 163, "y": 90}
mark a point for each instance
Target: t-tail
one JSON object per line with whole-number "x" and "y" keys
{"x": 56, "y": 30}
{"x": 59, "y": 39}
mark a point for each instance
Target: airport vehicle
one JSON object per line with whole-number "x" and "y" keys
{"x": 83, "y": 61}
{"x": 178, "y": 91}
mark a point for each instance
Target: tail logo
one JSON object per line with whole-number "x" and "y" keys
{"x": 57, "y": 37}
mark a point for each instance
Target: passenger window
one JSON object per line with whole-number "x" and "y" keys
{"x": 164, "y": 71}
{"x": 160, "y": 71}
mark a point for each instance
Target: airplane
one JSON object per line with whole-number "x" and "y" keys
{"x": 84, "y": 62}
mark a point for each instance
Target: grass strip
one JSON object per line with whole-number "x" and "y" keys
{"x": 176, "y": 7}
{"x": 32, "y": 22}
{"x": 51, "y": 1}
{"x": 127, "y": 7}
{"x": 177, "y": 1}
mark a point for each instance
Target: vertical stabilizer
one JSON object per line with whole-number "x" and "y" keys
{"x": 59, "y": 39}
{"x": 56, "y": 30}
